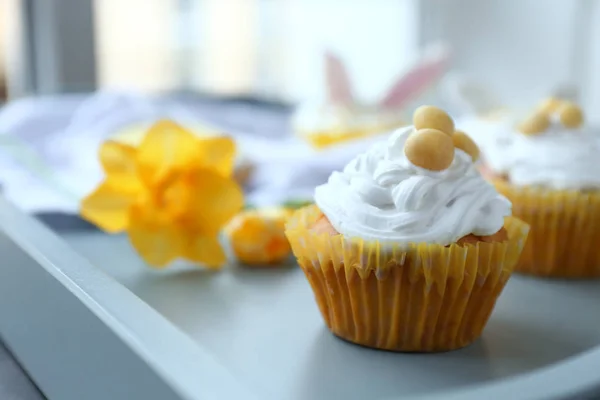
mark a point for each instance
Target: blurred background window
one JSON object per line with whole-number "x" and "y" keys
{"x": 155, "y": 45}
{"x": 3, "y": 12}
{"x": 273, "y": 48}
{"x": 7, "y": 28}
{"x": 264, "y": 47}
{"x": 135, "y": 45}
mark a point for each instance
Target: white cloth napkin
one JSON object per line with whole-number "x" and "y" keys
{"x": 291, "y": 170}
{"x": 48, "y": 150}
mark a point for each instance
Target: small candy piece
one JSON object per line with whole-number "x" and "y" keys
{"x": 430, "y": 149}
{"x": 570, "y": 115}
{"x": 257, "y": 236}
{"x": 535, "y": 124}
{"x": 433, "y": 118}
{"x": 550, "y": 105}
{"x": 465, "y": 143}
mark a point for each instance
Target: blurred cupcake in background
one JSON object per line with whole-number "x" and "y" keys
{"x": 483, "y": 113}
{"x": 546, "y": 163}
{"x": 343, "y": 117}
{"x": 408, "y": 248}
{"x": 324, "y": 125}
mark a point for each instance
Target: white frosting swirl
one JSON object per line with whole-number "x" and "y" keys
{"x": 382, "y": 196}
{"x": 559, "y": 158}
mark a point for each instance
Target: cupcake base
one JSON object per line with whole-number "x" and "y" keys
{"x": 419, "y": 298}
{"x": 399, "y": 312}
{"x": 565, "y": 231}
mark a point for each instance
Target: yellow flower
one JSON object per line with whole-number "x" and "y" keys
{"x": 172, "y": 194}
{"x": 257, "y": 236}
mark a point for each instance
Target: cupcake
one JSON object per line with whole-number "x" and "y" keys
{"x": 408, "y": 248}
{"x": 547, "y": 164}
{"x": 342, "y": 116}
{"x": 326, "y": 124}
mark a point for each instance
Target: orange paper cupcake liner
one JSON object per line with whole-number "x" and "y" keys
{"x": 418, "y": 298}
{"x": 565, "y": 231}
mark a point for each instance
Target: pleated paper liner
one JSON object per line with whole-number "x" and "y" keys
{"x": 420, "y": 298}
{"x": 564, "y": 239}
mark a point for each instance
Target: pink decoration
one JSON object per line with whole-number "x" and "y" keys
{"x": 338, "y": 81}
{"x": 417, "y": 79}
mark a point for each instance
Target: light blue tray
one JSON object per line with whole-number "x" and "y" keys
{"x": 100, "y": 325}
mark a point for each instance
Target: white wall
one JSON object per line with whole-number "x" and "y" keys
{"x": 522, "y": 47}
{"x": 594, "y": 90}
{"x": 376, "y": 39}
{"x": 134, "y": 45}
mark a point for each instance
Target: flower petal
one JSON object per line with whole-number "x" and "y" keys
{"x": 118, "y": 162}
{"x": 107, "y": 207}
{"x": 165, "y": 146}
{"x": 205, "y": 250}
{"x": 216, "y": 200}
{"x": 156, "y": 240}
{"x": 217, "y": 152}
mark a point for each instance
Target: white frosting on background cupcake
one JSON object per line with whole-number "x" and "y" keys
{"x": 315, "y": 118}
{"x": 559, "y": 158}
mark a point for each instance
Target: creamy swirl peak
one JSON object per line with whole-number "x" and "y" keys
{"x": 382, "y": 195}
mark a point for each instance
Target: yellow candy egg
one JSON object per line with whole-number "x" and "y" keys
{"x": 570, "y": 115}
{"x": 535, "y": 124}
{"x": 433, "y": 118}
{"x": 431, "y": 149}
{"x": 550, "y": 105}
{"x": 257, "y": 236}
{"x": 465, "y": 143}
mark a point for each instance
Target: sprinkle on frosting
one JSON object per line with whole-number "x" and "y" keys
{"x": 570, "y": 115}
{"x": 429, "y": 149}
{"x": 535, "y": 124}
{"x": 552, "y": 109}
{"x": 432, "y": 145}
{"x": 549, "y": 106}
{"x": 465, "y": 143}
{"x": 434, "y": 118}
